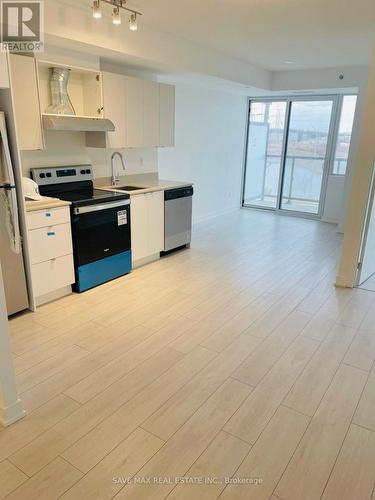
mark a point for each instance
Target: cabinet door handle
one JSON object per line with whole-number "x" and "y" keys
{"x": 48, "y": 214}
{"x": 51, "y": 233}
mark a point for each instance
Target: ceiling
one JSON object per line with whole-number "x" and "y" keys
{"x": 269, "y": 33}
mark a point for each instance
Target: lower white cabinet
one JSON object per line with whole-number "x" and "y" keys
{"x": 50, "y": 242}
{"x": 50, "y": 251}
{"x": 147, "y": 226}
{"x": 52, "y": 275}
{"x": 48, "y": 217}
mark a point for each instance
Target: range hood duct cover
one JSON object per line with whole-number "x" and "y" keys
{"x": 61, "y": 104}
{"x": 77, "y": 123}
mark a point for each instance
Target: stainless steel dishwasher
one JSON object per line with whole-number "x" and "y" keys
{"x": 178, "y": 213}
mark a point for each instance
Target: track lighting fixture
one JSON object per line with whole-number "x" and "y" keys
{"x": 117, "y": 5}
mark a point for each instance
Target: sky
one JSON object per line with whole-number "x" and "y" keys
{"x": 308, "y": 115}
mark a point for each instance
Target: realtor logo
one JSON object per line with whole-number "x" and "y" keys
{"x": 21, "y": 26}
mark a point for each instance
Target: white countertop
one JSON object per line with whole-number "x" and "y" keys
{"x": 45, "y": 204}
{"x": 147, "y": 187}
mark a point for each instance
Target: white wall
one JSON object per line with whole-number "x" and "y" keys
{"x": 333, "y": 205}
{"x": 324, "y": 79}
{"x": 69, "y": 148}
{"x": 210, "y": 131}
{"x": 360, "y": 184}
{"x": 358, "y": 117}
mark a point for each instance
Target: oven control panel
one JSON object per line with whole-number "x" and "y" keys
{"x": 59, "y": 175}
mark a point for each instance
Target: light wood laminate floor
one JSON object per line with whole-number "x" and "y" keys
{"x": 232, "y": 370}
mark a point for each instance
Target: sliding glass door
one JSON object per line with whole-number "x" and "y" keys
{"x": 288, "y": 151}
{"x": 264, "y": 153}
{"x": 306, "y": 155}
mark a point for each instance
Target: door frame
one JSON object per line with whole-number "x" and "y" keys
{"x": 330, "y": 150}
{"x": 366, "y": 224}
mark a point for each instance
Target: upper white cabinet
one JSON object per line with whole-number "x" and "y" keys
{"x": 25, "y": 98}
{"x": 151, "y": 114}
{"x": 133, "y": 113}
{"x": 114, "y": 102}
{"x": 141, "y": 110}
{"x": 84, "y": 89}
{"x": 167, "y": 115}
{"x": 4, "y": 72}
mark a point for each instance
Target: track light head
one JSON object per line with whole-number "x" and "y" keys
{"x": 116, "y": 18}
{"x": 133, "y": 25}
{"x": 96, "y": 10}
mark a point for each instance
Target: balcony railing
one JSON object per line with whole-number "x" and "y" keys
{"x": 302, "y": 180}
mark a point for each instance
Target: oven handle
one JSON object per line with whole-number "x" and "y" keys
{"x": 103, "y": 206}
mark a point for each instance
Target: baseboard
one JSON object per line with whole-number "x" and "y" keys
{"x": 341, "y": 282}
{"x": 145, "y": 260}
{"x": 213, "y": 215}
{"x": 341, "y": 228}
{"x": 329, "y": 220}
{"x": 52, "y": 296}
{"x": 12, "y": 414}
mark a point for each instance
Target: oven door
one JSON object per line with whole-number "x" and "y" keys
{"x": 100, "y": 231}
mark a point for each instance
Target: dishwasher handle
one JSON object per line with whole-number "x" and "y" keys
{"x": 174, "y": 194}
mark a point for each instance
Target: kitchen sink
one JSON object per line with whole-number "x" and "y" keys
{"x": 128, "y": 188}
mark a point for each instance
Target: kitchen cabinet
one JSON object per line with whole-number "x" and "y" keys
{"x": 52, "y": 275}
{"x": 84, "y": 89}
{"x": 142, "y": 111}
{"x": 25, "y": 98}
{"x": 147, "y": 226}
{"x": 114, "y": 102}
{"x": 49, "y": 242}
{"x": 51, "y": 252}
{"x": 156, "y": 222}
{"x": 133, "y": 112}
{"x": 4, "y": 73}
{"x": 166, "y": 115}
{"x": 150, "y": 114}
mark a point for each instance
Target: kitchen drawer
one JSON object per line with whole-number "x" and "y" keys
{"x": 43, "y": 218}
{"x": 50, "y": 242}
{"x": 52, "y": 275}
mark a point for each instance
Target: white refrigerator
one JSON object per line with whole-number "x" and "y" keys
{"x": 11, "y": 258}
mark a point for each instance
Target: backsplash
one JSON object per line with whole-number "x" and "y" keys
{"x": 69, "y": 148}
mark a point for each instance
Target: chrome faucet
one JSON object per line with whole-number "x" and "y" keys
{"x": 116, "y": 177}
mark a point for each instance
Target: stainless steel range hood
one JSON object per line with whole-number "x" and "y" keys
{"x": 77, "y": 123}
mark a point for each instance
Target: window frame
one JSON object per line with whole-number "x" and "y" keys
{"x": 337, "y": 131}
